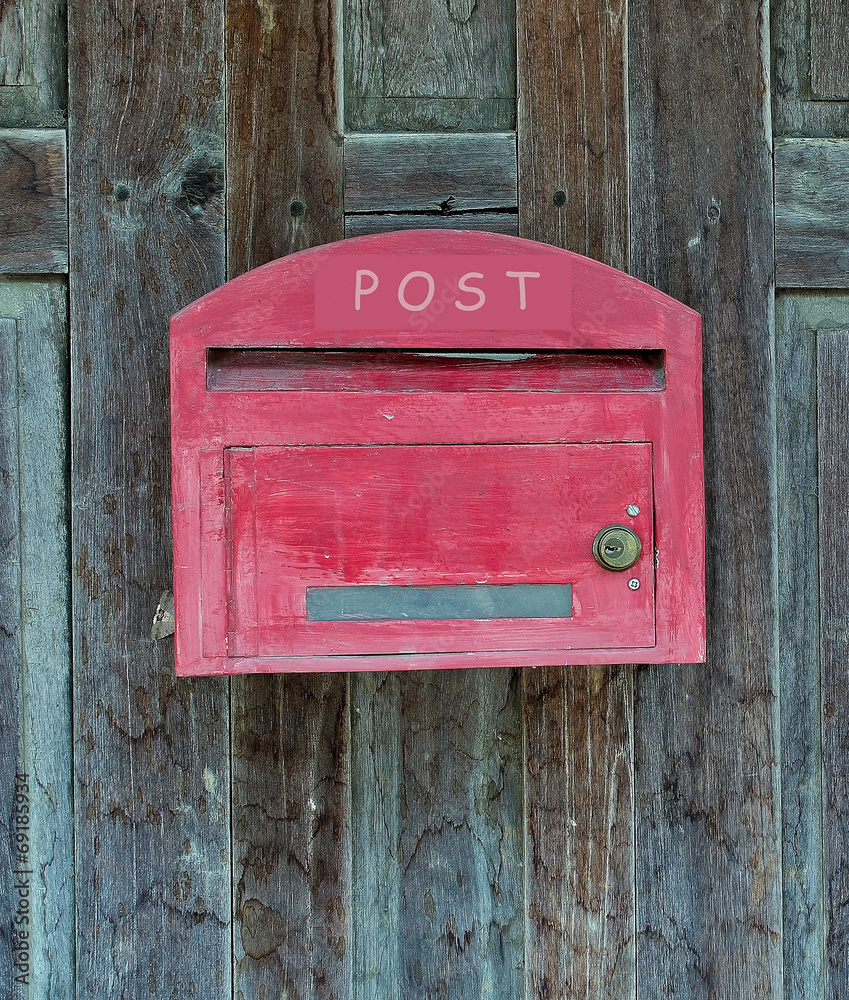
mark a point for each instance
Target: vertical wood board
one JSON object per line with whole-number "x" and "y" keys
{"x": 284, "y": 141}
{"x": 438, "y": 803}
{"x": 580, "y": 847}
{"x": 152, "y": 774}
{"x": 14, "y": 786}
{"x": 39, "y": 308}
{"x": 291, "y": 835}
{"x": 798, "y": 623}
{"x": 832, "y": 443}
{"x": 706, "y": 737}
{"x": 573, "y": 192}
{"x": 573, "y": 127}
{"x": 376, "y": 865}
{"x": 290, "y": 794}
{"x": 829, "y": 50}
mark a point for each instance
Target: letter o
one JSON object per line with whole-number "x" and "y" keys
{"x": 403, "y": 287}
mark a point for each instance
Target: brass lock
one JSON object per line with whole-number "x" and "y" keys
{"x": 616, "y": 547}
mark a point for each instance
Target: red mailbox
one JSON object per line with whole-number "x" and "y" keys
{"x": 436, "y": 449}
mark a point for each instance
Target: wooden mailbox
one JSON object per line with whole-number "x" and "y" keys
{"x": 436, "y": 449}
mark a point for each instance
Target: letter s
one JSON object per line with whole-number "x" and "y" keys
{"x": 473, "y": 289}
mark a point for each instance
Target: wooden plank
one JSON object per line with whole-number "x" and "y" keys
{"x": 438, "y": 763}
{"x": 573, "y": 192}
{"x": 33, "y": 84}
{"x": 12, "y": 42}
{"x": 832, "y": 443}
{"x": 376, "y": 818}
{"x": 580, "y": 847}
{"x": 795, "y": 112}
{"x": 293, "y": 924}
{"x": 431, "y": 66}
{"x": 45, "y": 723}
{"x": 573, "y": 127}
{"x": 291, "y": 852}
{"x": 706, "y": 737}
{"x": 15, "y": 869}
{"x": 151, "y": 752}
{"x": 390, "y": 222}
{"x": 797, "y": 320}
{"x": 430, "y": 173}
{"x": 285, "y": 148}
{"x": 829, "y": 50}
{"x": 33, "y": 202}
{"x": 812, "y": 213}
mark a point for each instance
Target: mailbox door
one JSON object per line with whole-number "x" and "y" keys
{"x": 435, "y": 548}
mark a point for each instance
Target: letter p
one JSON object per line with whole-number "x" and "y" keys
{"x": 360, "y": 290}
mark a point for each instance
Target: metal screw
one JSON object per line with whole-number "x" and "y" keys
{"x": 634, "y": 584}
{"x": 632, "y": 510}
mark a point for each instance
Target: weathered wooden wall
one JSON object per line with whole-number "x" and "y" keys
{"x": 631, "y": 831}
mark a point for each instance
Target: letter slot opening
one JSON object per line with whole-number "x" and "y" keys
{"x": 440, "y": 603}
{"x": 378, "y": 370}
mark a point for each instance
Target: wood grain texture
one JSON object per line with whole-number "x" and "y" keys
{"x": 706, "y": 737}
{"x": 484, "y": 222}
{"x": 795, "y": 112}
{"x": 812, "y": 213}
{"x": 798, "y": 318}
{"x": 291, "y": 837}
{"x": 379, "y": 954}
{"x": 430, "y": 173}
{"x": 33, "y": 202}
{"x": 36, "y": 731}
{"x": 829, "y": 50}
{"x": 291, "y": 852}
{"x": 573, "y": 192}
{"x": 33, "y": 67}
{"x": 12, "y": 768}
{"x": 284, "y": 144}
{"x": 573, "y": 128}
{"x": 832, "y": 443}
{"x": 41, "y": 311}
{"x": 432, "y": 66}
{"x": 12, "y": 42}
{"x": 580, "y": 860}
{"x": 437, "y": 801}
{"x": 152, "y": 775}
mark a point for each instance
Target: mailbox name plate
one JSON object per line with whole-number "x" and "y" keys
{"x": 463, "y": 292}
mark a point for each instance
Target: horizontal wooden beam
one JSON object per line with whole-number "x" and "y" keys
{"x": 484, "y": 222}
{"x": 812, "y": 213}
{"x": 33, "y": 202}
{"x": 430, "y": 173}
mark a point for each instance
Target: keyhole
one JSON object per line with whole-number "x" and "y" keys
{"x": 616, "y": 547}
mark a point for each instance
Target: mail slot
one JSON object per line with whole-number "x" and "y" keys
{"x": 436, "y": 449}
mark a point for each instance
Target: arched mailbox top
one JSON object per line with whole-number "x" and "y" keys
{"x": 422, "y": 288}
